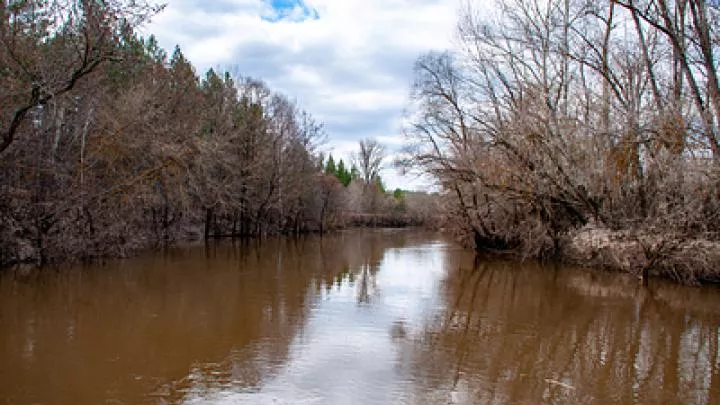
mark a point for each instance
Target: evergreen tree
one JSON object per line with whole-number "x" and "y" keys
{"x": 401, "y": 205}
{"x": 354, "y": 172}
{"x": 343, "y": 174}
{"x": 330, "y": 167}
{"x": 154, "y": 51}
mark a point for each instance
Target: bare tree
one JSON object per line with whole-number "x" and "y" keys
{"x": 559, "y": 114}
{"x": 46, "y": 48}
{"x": 369, "y": 159}
{"x": 690, "y": 36}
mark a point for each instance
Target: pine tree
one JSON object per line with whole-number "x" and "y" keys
{"x": 342, "y": 174}
{"x": 330, "y": 166}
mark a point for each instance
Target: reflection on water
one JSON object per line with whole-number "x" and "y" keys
{"x": 522, "y": 334}
{"x": 362, "y": 317}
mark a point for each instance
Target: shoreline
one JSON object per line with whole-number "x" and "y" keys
{"x": 682, "y": 259}
{"x": 186, "y": 237}
{"x": 685, "y": 261}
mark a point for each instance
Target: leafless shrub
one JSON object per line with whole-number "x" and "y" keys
{"x": 553, "y": 117}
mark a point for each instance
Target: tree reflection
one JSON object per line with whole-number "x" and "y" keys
{"x": 350, "y": 314}
{"x": 177, "y": 325}
{"x": 520, "y": 333}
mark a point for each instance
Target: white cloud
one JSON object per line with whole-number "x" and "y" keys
{"x": 351, "y": 67}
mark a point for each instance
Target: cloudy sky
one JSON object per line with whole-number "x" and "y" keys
{"x": 348, "y": 62}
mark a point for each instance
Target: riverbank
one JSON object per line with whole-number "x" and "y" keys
{"x": 25, "y": 254}
{"x": 643, "y": 255}
{"x": 690, "y": 261}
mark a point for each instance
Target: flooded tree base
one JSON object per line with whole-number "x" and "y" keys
{"x": 685, "y": 260}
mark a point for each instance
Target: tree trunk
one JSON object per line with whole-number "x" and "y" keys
{"x": 208, "y": 222}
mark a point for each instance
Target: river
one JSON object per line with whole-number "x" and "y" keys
{"x": 357, "y": 317}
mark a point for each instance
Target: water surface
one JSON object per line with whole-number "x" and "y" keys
{"x": 360, "y": 317}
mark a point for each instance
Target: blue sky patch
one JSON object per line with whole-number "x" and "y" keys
{"x": 290, "y": 10}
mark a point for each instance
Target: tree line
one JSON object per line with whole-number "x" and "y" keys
{"x": 108, "y": 144}
{"x": 555, "y": 116}
{"x": 360, "y": 198}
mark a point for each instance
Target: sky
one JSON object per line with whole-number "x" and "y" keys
{"x": 348, "y": 63}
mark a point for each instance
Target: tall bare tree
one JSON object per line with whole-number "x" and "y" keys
{"x": 369, "y": 159}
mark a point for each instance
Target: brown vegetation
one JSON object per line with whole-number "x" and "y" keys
{"x": 108, "y": 145}
{"x": 561, "y": 115}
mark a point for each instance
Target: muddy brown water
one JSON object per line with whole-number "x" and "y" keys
{"x": 359, "y": 317}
